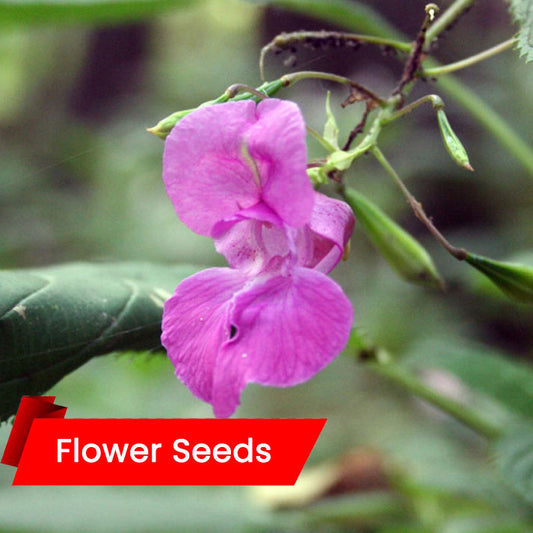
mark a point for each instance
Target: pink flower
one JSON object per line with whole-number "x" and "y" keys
{"x": 237, "y": 173}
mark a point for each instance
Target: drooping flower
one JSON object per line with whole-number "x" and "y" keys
{"x": 237, "y": 173}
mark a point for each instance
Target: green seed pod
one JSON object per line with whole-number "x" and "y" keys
{"x": 513, "y": 279}
{"x": 404, "y": 253}
{"x": 451, "y": 141}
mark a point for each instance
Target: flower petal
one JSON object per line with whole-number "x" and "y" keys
{"x": 287, "y": 330}
{"x": 205, "y": 173}
{"x": 196, "y": 322}
{"x": 321, "y": 244}
{"x": 224, "y": 158}
{"x": 276, "y": 142}
{"x": 254, "y": 240}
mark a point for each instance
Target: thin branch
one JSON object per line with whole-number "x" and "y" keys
{"x": 469, "y": 61}
{"x": 358, "y": 92}
{"x": 459, "y": 253}
{"x": 325, "y": 38}
{"x": 449, "y": 17}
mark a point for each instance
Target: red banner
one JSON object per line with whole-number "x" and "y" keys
{"x": 163, "y": 451}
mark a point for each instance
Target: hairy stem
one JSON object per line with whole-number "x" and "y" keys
{"x": 333, "y": 38}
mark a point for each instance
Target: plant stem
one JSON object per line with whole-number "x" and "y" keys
{"x": 459, "y": 411}
{"x": 289, "y": 79}
{"x": 469, "y": 61}
{"x": 447, "y": 18}
{"x": 459, "y": 253}
{"x": 435, "y": 100}
{"x": 285, "y": 40}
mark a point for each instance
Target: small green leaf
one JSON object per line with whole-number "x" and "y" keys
{"x": 522, "y": 11}
{"x": 514, "y": 456}
{"x": 514, "y": 279}
{"x": 404, "y": 253}
{"x": 451, "y": 141}
{"x": 331, "y": 130}
{"x": 83, "y": 11}
{"x": 53, "y": 320}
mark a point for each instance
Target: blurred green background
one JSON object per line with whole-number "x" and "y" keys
{"x": 80, "y": 179}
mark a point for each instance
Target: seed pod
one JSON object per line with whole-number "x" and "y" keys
{"x": 451, "y": 141}
{"x": 402, "y": 251}
{"x": 513, "y": 279}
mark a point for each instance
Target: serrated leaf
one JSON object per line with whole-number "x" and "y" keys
{"x": 53, "y": 320}
{"x": 482, "y": 369}
{"x": 522, "y": 11}
{"x": 82, "y": 11}
{"x": 514, "y": 456}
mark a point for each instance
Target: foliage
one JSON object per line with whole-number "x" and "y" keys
{"x": 53, "y": 320}
{"x": 522, "y": 11}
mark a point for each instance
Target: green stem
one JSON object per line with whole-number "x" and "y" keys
{"x": 329, "y": 147}
{"x": 447, "y": 18}
{"x": 471, "y": 418}
{"x": 469, "y": 61}
{"x": 289, "y": 79}
{"x": 436, "y": 102}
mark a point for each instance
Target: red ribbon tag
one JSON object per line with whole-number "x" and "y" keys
{"x": 50, "y": 450}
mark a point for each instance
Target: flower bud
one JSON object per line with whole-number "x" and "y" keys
{"x": 451, "y": 141}
{"x": 164, "y": 126}
{"x": 404, "y": 253}
{"x": 513, "y": 279}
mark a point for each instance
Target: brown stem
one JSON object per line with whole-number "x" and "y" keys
{"x": 459, "y": 253}
{"x": 360, "y": 127}
{"x": 412, "y": 66}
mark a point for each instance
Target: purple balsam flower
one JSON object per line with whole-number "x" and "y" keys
{"x": 237, "y": 173}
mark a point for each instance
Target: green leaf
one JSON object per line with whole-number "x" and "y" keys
{"x": 514, "y": 456}
{"x": 53, "y": 320}
{"x": 522, "y": 11}
{"x": 82, "y": 11}
{"x": 482, "y": 369}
